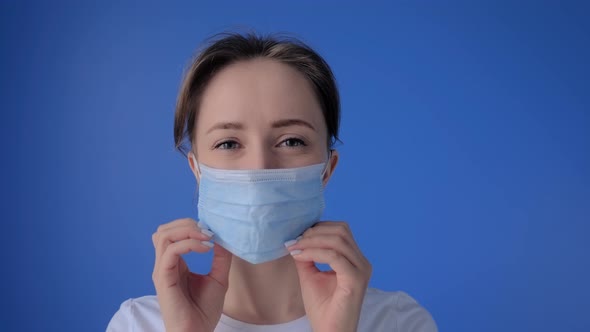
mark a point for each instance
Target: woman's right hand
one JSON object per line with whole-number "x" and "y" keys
{"x": 188, "y": 301}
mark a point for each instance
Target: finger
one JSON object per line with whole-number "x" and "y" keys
{"x": 185, "y": 222}
{"x": 168, "y": 263}
{"x": 221, "y": 265}
{"x": 330, "y": 241}
{"x": 332, "y": 227}
{"x": 340, "y": 264}
{"x": 165, "y": 237}
{"x": 323, "y": 227}
{"x": 177, "y": 223}
{"x": 306, "y": 268}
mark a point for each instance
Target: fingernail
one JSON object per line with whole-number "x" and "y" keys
{"x": 207, "y": 232}
{"x": 290, "y": 243}
{"x": 207, "y": 244}
{"x": 295, "y": 252}
{"x": 299, "y": 237}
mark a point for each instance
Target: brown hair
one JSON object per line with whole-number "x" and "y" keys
{"x": 228, "y": 48}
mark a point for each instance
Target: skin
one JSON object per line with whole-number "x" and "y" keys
{"x": 258, "y": 114}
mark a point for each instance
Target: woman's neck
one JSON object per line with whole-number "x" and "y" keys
{"x": 264, "y": 294}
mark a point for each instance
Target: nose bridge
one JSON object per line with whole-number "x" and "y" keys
{"x": 260, "y": 156}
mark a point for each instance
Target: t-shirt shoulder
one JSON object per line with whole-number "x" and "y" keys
{"x": 138, "y": 314}
{"x": 382, "y": 311}
{"x": 394, "y": 311}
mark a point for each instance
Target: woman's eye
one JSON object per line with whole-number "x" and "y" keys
{"x": 292, "y": 142}
{"x": 227, "y": 145}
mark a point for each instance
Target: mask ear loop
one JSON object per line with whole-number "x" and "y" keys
{"x": 197, "y": 167}
{"x": 327, "y": 163}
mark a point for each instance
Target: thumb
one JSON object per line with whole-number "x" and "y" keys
{"x": 305, "y": 269}
{"x": 221, "y": 264}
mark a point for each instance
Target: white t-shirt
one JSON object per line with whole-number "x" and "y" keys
{"x": 381, "y": 311}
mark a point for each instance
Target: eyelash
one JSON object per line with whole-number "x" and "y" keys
{"x": 298, "y": 141}
{"x": 218, "y": 146}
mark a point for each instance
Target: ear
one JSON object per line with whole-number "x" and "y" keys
{"x": 331, "y": 166}
{"x": 192, "y": 162}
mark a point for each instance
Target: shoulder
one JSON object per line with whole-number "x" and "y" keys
{"x": 381, "y": 311}
{"x": 394, "y": 311}
{"x": 138, "y": 314}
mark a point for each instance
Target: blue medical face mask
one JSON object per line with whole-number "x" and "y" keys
{"x": 254, "y": 212}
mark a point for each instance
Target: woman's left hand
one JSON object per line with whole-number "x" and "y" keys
{"x": 332, "y": 299}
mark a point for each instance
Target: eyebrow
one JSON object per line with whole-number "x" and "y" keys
{"x": 226, "y": 125}
{"x": 276, "y": 124}
{"x": 292, "y": 122}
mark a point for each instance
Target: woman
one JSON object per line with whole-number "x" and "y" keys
{"x": 257, "y": 118}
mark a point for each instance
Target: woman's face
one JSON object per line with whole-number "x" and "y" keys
{"x": 259, "y": 114}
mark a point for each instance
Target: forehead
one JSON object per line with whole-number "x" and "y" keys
{"x": 262, "y": 90}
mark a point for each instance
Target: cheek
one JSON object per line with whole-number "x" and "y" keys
{"x": 313, "y": 156}
{"x": 200, "y": 149}
{"x": 203, "y": 151}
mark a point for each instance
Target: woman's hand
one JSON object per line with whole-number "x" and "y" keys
{"x": 332, "y": 299}
{"x": 188, "y": 301}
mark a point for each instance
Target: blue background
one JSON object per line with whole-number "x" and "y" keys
{"x": 464, "y": 173}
